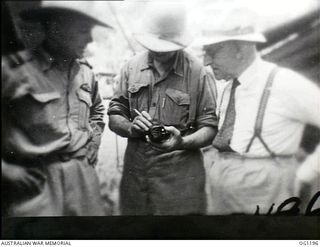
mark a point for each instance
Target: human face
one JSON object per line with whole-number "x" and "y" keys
{"x": 71, "y": 36}
{"x": 162, "y": 57}
{"x": 222, "y": 57}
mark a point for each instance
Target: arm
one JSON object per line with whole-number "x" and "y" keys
{"x": 125, "y": 128}
{"x": 120, "y": 119}
{"x": 23, "y": 181}
{"x": 97, "y": 110}
{"x": 303, "y": 96}
{"x": 198, "y": 139}
{"x": 201, "y": 138}
{"x": 307, "y": 174}
{"x": 96, "y": 120}
{"x": 120, "y": 125}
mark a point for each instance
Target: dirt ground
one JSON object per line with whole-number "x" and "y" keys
{"x": 109, "y": 167}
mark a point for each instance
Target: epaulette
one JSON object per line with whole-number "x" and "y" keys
{"x": 17, "y": 59}
{"x": 85, "y": 62}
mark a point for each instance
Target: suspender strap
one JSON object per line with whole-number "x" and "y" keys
{"x": 261, "y": 112}
{"x": 193, "y": 76}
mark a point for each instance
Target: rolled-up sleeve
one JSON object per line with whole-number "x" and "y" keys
{"x": 206, "y": 115}
{"x": 119, "y": 104}
{"x": 97, "y": 109}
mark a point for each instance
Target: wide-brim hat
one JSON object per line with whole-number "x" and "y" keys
{"x": 236, "y": 35}
{"x": 235, "y": 24}
{"x": 62, "y": 8}
{"x": 164, "y": 28}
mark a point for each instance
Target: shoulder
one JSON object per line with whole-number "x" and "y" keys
{"x": 195, "y": 65}
{"x": 85, "y": 63}
{"x": 289, "y": 79}
{"x": 195, "y": 62}
{"x": 132, "y": 67}
{"x": 293, "y": 84}
{"x": 137, "y": 60}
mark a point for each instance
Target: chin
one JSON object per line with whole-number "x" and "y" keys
{"x": 218, "y": 77}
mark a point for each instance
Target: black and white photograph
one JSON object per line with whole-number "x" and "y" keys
{"x": 150, "y": 119}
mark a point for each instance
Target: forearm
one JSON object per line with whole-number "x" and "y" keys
{"x": 97, "y": 116}
{"x": 201, "y": 138}
{"x": 120, "y": 125}
{"x": 310, "y": 168}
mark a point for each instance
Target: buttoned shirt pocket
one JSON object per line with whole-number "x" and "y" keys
{"x": 85, "y": 102}
{"x": 39, "y": 109}
{"x": 176, "y": 107}
{"x": 138, "y": 97}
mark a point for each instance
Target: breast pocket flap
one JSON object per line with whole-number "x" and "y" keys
{"x": 180, "y": 98}
{"x": 45, "y": 97}
{"x": 135, "y": 87}
{"x": 84, "y": 96}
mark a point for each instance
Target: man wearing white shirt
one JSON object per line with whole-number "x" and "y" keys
{"x": 262, "y": 114}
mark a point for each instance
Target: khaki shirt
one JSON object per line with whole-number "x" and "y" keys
{"x": 166, "y": 99}
{"x": 46, "y": 110}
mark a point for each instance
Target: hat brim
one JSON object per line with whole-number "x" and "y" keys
{"x": 153, "y": 43}
{"x": 253, "y": 37}
{"x": 42, "y": 14}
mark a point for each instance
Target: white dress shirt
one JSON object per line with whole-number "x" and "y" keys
{"x": 293, "y": 102}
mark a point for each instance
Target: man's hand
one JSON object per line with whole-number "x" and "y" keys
{"x": 175, "y": 142}
{"x": 92, "y": 153}
{"x": 24, "y": 181}
{"x": 140, "y": 124}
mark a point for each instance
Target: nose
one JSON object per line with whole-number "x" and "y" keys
{"x": 207, "y": 59}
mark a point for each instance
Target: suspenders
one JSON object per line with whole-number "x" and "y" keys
{"x": 261, "y": 111}
{"x": 192, "y": 74}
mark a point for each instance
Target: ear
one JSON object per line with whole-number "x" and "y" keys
{"x": 239, "y": 47}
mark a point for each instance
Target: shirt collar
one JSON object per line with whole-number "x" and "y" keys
{"x": 47, "y": 60}
{"x": 250, "y": 74}
{"x": 177, "y": 66}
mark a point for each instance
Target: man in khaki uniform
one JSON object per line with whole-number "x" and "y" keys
{"x": 166, "y": 86}
{"x": 52, "y": 118}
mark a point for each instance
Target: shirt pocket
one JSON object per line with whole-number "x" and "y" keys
{"x": 85, "y": 102}
{"x": 38, "y": 111}
{"x": 138, "y": 97}
{"x": 176, "y": 107}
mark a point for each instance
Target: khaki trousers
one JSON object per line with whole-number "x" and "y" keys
{"x": 239, "y": 185}
{"x": 71, "y": 189}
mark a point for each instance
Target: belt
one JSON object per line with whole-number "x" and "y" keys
{"x": 56, "y": 156}
{"x": 239, "y": 156}
{"x": 64, "y": 157}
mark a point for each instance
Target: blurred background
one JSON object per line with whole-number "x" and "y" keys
{"x": 292, "y": 28}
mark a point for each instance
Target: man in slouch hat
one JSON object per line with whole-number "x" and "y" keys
{"x": 168, "y": 89}
{"x": 52, "y": 118}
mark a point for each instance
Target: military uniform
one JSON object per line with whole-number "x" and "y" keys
{"x": 156, "y": 182}
{"x": 50, "y": 119}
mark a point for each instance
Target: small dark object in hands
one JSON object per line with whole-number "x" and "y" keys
{"x": 158, "y": 133}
